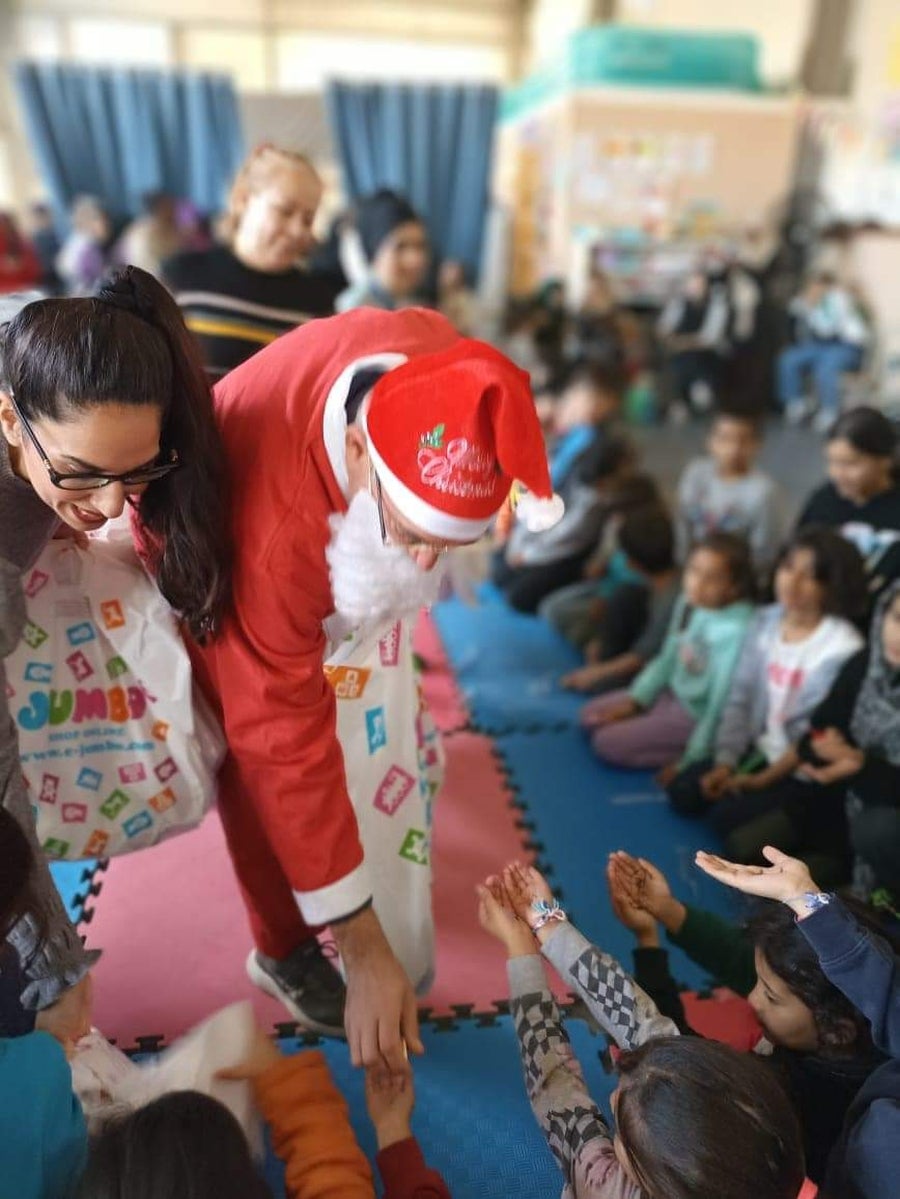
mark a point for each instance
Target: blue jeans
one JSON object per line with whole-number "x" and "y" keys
{"x": 826, "y": 361}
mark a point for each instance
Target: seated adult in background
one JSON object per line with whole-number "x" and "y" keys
{"x": 862, "y": 497}
{"x": 395, "y": 243}
{"x": 599, "y": 328}
{"x": 237, "y": 298}
{"x": 83, "y": 259}
{"x": 692, "y": 330}
{"x": 831, "y": 337}
{"x": 456, "y": 299}
{"x": 20, "y": 267}
{"x": 153, "y": 237}
{"x": 42, "y": 234}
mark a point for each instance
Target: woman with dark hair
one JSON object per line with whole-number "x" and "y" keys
{"x": 103, "y": 404}
{"x": 395, "y": 244}
{"x": 862, "y": 497}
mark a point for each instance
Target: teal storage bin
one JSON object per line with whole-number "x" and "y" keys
{"x": 663, "y": 58}
{"x": 622, "y": 56}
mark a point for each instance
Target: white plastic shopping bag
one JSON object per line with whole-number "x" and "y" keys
{"x": 118, "y": 749}
{"x": 107, "y": 1082}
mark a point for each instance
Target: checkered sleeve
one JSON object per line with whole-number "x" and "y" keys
{"x": 574, "y": 1126}
{"x": 622, "y": 1009}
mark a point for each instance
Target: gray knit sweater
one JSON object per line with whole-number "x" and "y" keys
{"x": 26, "y": 525}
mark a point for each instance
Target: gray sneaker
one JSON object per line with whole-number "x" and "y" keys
{"x": 306, "y": 983}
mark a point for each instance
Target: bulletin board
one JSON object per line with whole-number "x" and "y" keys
{"x": 602, "y": 161}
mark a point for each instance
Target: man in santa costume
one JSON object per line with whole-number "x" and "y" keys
{"x": 360, "y": 448}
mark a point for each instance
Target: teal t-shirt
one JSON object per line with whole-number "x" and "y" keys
{"x": 696, "y": 664}
{"x": 42, "y": 1129}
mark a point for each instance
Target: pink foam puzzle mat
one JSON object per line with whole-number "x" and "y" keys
{"x": 439, "y": 686}
{"x": 174, "y": 934}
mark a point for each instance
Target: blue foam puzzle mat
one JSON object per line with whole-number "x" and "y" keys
{"x": 472, "y": 1117}
{"x": 73, "y": 881}
{"x": 582, "y": 809}
{"x": 507, "y": 665}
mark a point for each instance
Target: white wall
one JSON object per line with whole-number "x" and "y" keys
{"x": 267, "y": 46}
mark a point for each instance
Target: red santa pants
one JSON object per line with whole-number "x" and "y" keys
{"x": 275, "y": 920}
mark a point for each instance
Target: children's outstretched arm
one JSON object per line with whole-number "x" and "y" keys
{"x": 308, "y": 1121}
{"x": 574, "y": 1126}
{"x": 614, "y": 999}
{"x": 859, "y": 963}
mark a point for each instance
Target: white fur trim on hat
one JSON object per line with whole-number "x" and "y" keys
{"x": 433, "y": 521}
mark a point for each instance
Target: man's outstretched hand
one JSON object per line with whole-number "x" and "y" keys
{"x": 380, "y": 1017}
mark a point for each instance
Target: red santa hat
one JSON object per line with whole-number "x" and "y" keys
{"x": 448, "y": 435}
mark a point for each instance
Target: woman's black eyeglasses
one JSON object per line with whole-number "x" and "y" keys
{"x": 85, "y": 480}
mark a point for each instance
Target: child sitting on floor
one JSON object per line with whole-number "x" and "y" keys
{"x": 635, "y": 618}
{"x": 670, "y": 1119}
{"x": 190, "y": 1144}
{"x": 725, "y": 491}
{"x": 532, "y": 564}
{"x": 575, "y": 609}
{"x": 585, "y": 415}
{"x": 815, "y": 1037}
{"x": 670, "y": 714}
{"x": 854, "y": 743}
{"x": 865, "y": 1163}
{"x": 792, "y": 654}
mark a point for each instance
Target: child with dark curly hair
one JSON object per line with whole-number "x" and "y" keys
{"x": 814, "y": 1032}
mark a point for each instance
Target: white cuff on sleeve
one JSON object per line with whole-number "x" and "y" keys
{"x": 336, "y": 900}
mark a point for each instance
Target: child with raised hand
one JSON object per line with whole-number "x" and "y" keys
{"x": 791, "y": 656}
{"x": 186, "y": 1143}
{"x": 726, "y": 492}
{"x": 865, "y": 1163}
{"x": 671, "y": 1122}
{"x": 669, "y": 716}
{"x": 816, "y": 1039}
{"x": 42, "y": 1129}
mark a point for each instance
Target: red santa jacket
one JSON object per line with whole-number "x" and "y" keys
{"x": 281, "y": 416}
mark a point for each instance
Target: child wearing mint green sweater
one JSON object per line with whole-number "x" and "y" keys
{"x": 668, "y": 717}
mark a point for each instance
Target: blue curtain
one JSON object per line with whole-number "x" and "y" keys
{"x": 117, "y": 133}
{"x": 434, "y": 144}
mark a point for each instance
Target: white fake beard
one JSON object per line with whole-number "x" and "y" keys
{"x": 370, "y": 582}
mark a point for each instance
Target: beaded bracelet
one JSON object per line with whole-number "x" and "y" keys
{"x": 546, "y": 913}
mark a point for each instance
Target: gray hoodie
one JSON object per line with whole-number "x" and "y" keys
{"x": 26, "y": 525}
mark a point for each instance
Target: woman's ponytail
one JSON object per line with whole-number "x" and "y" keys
{"x": 184, "y": 514}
